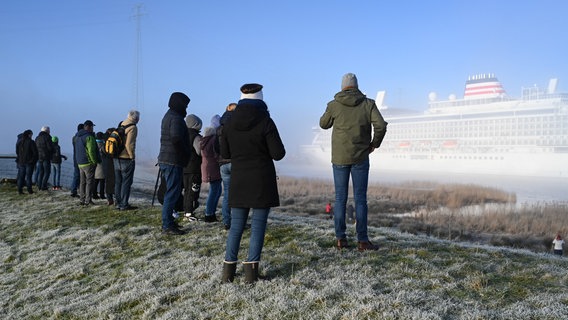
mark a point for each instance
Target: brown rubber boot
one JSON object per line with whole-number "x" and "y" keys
{"x": 251, "y": 272}
{"x": 229, "y": 270}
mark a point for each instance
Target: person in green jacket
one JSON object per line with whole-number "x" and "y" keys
{"x": 87, "y": 155}
{"x": 353, "y": 116}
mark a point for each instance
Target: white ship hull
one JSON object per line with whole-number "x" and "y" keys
{"x": 514, "y": 164}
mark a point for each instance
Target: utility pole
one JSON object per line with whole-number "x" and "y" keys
{"x": 138, "y": 70}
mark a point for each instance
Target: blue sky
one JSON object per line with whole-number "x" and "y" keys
{"x": 63, "y": 62}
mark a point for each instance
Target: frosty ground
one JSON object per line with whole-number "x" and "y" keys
{"x": 61, "y": 261}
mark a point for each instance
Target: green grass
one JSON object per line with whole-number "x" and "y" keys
{"x": 62, "y": 261}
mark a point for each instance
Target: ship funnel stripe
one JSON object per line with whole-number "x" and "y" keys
{"x": 491, "y": 92}
{"x": 492, "y": 86}
{"x": 483, "y": 88}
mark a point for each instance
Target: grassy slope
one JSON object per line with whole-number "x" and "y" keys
{"x": 61, "y": 261}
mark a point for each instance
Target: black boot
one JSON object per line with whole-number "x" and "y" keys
{"x": 251, "y": 272}
{"x": 229, "y": 270}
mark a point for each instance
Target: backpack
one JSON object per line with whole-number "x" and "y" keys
{"x": 114, "y": 144}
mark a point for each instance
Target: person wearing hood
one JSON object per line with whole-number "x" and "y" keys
{"x": 56, "y": 161}
{"x": 124, "y": 164}
{"x": 26, "y": 158}
{"x": 45, "y": 152}
{"x": 175, "y": 152}
{"x": 87, "y": 154}
{"x": 352, "y": 116}
{"x": 192, "y": 171}
{"x": 210, "y": 172}
{"x": 252, "y": 142}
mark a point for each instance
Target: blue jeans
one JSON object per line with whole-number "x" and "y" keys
{"x": 36, "y": 171}
{"x": 215, "y": 190}
{"x": 25, "y": 172}
{"x": 44, "y": 169}
{"x": 239, "y": 218}
{"x": 123, "y": 178}
{"x": 226, "y": 177}
{"x": 360, "y": 176}
{"x": 76, "y": 178}
{"x": 56, "y": 174}
{"x": 173, "y": 177}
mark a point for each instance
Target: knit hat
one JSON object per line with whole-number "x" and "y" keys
{"x": 216, "y": 121}
{"x": 251, "y": 91}
{"x": 54, "y": 139}
{"x": 349, "y": 81}
{"x": 45, "y": 129}
{"x": 193, "y": 122}
{"x": 178, "y": 100}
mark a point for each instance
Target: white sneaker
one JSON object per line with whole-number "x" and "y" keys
{"x": 175, "y": 215}
{"x": 190, "y": 217}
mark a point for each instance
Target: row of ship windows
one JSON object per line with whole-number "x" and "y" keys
{"x": 444, "y": 127}
{"x": 494, "y": 124}
{"x": 548, "y": 120}
{"x": 454, "y": 157}
{"x": 473, "y": 133}
{"x": 480, "y": 143}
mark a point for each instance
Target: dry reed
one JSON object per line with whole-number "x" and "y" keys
{"x": 451, "y": 211}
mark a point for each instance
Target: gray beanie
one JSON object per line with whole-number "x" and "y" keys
{"x": 349, "y": 80}
{"x": 193, "y": 122}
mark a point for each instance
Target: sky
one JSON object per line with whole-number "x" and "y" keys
{"x": 63, "y": 62}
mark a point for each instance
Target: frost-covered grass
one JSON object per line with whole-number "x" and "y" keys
{"x": 61, "y": 261}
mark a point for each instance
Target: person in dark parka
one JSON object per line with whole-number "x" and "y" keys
{"x": 251, "y": 140}
{"x": 175, "y": 152}
{"x": 45, "y": 153}
{"x": 26, "y": 158}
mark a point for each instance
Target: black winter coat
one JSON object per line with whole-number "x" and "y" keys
{"x": 194, "y": 165}
{"x": 174, "y": 140}
{"x": 251, "y": 140}
{"x": 44, "y": 146}
{"x": 26, "y": 150}
{"x": 57, "y": 156}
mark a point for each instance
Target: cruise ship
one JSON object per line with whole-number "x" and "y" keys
{"x": 485, "y": 132}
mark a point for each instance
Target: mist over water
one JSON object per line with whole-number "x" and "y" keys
{"x": 527, "y": 189}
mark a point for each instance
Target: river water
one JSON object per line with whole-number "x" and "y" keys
{"x": 527, "y": 189}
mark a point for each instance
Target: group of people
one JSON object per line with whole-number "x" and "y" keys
{"x": 93, "y": 167}
{"x": 237, "y": 153}
{"x": 249, "y": 141}
{"x": 37, "y": 159}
